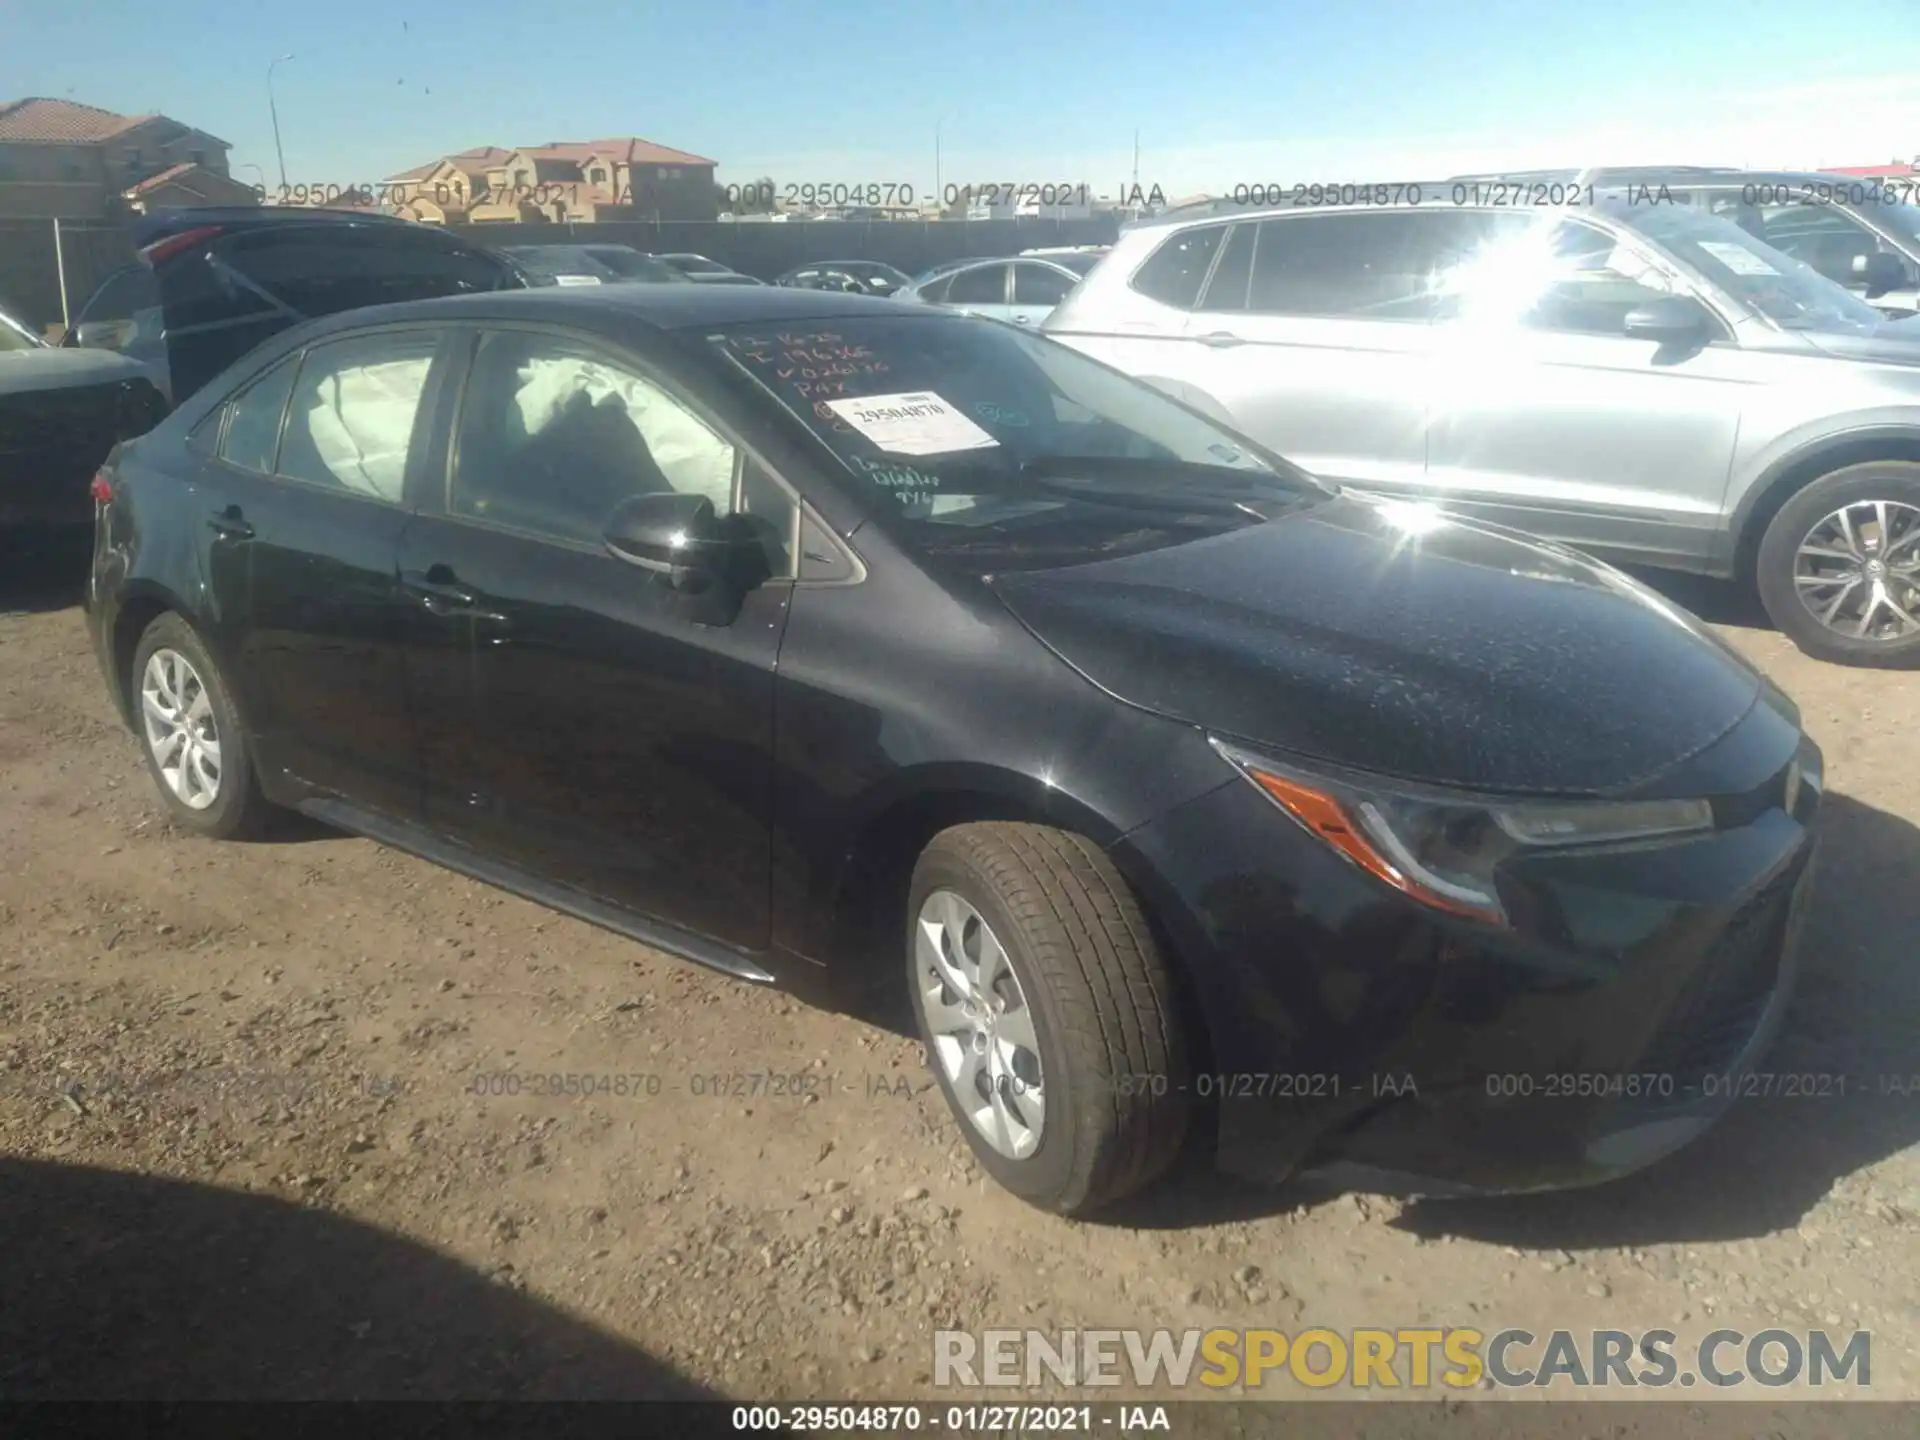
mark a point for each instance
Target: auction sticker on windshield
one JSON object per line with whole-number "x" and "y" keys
{"x": 1737, "y": 258}
{"x": 912, "y": 423}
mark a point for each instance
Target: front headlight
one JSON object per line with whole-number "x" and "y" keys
{"x": 1443, "y": 850}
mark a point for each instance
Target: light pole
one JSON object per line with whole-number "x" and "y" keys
{"x": 274, "y": 111}
{"x": 939, "y": 191}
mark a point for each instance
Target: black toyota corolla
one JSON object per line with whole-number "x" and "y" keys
{"x": 1198, "y": 806}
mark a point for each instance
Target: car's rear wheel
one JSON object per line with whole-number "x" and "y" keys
{"x": 1839, "y": 566}
{"x": 1048, "y": 1013}
{"x": 190, "y": 732}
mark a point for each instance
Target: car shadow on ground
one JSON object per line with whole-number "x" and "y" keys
{"x": 1770, "y": 1160}
{"x": 123, "y": 1286}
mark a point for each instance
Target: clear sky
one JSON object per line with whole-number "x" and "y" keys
{"x": 1018, "y": 90}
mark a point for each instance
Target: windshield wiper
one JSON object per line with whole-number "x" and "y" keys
{"x": 1169, "y": 484}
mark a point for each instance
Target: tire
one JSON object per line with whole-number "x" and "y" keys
{"x": 1780, "y": 567}
{"x": 1113, "y": 1082}
{"x": 234, "y": 808}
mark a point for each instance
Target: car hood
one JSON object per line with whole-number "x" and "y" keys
{"x": 26, "y": 372}
{"x": 1895, "y": 343}
{"x": 1465, "y": 655}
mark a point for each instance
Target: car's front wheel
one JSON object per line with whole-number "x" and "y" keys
{"x": 1839, "y": 566}
{"x": 190, "y": 732}
{"x": 1048, "y": 1013}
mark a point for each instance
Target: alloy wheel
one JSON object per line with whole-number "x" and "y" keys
{"x": 1858, "y": 570}
{"x": 182, "y": 734}
{"x": 981, "y": 1025}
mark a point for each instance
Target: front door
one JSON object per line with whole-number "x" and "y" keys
{"x": 580, "y": 719}
{"x": 1546, "y": 416}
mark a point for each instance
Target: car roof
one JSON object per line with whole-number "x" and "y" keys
{"x": 1433, "y": 195}
{"x": 159, "y": 224}
{"x": 660, "y": 307}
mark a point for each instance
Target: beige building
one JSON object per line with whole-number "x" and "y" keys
{"x": 63, "y": 160}
{"x": 620, "y": 179}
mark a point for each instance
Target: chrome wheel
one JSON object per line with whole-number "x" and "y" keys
{"x": 980, "y": 1024}
{"x": 1858, "y": 570}
{"x": 182, "y": 736}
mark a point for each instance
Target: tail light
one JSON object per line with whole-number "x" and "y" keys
{"x": 174, "y": 244}
{"x": 102, "y": 488}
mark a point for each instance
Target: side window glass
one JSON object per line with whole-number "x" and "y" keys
{"x": 351, "y": 421}
{"x": 934, "y": 292}
{"x": 552, "y": 437}
{"x": 1821, "y": 236}
{"x": 1040, "y": 285}
{"x": 1593, "y": 281}
{"x": 1375, "y": 265}
{"x": 1227, "y": 290}
{"x": 253, "y": 431}
{"x": 986, "y": 285}
{"x": 1173, "y": 273}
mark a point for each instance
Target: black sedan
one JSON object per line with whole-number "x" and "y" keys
{"x": 847, "y": 646}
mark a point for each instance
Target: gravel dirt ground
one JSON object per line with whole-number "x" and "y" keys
{"x": 242, "y": 1153}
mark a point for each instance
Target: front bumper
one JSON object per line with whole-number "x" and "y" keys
{"x": 1359, "y": 1036}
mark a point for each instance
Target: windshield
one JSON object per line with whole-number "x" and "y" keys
{"x": 632, "y": 265}
{"x": 552, "y": 261}
{"x": 972, "y": 439}
{"x": 1792, "y": 295}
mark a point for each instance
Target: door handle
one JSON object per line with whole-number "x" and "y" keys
{"x": 438, "y": 591}
{"x": 231, "y": 523}
{"x": 1220, "y": 339}
{"x": 442, "y": 595}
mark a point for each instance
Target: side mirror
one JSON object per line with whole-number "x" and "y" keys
{"x": 1880, "y": 272}
{"x": 670, "y": 534}
{"x": 1670, "y": 320}
{"x": 102, "y": 334}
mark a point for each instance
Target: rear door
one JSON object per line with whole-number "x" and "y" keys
{"x": 226, "y": 287}
{"x": 303, "y": 506}
{"x": 1313, "y": 335}
{"x": 980, "y": 290}
{"x": 1037, "y": 288}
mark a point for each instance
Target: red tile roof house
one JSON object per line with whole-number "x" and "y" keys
{"x": 61, "y": 159}
{"x": 1898, "y": 169}
{"x": 562, "y": 180}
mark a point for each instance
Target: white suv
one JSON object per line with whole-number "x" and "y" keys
{"x": 1638, "y": 378}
